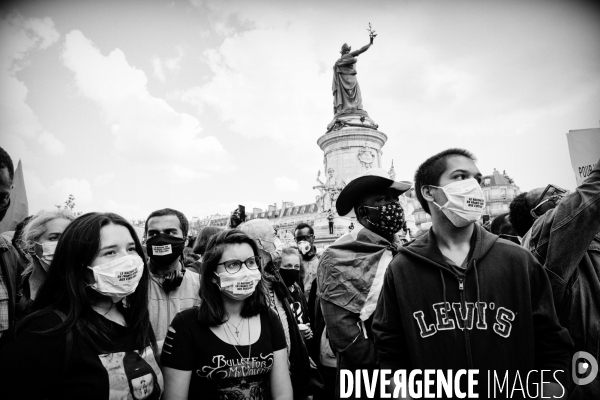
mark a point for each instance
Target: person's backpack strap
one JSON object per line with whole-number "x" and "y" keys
{"x": 68, "y": 343}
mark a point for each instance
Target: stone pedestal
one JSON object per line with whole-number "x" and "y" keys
{"x": 352, "y": 145}
{"x": 321, "y": 228}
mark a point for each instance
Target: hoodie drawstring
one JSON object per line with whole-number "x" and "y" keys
{"x": 479, "y": 312}
{"x": 444, "y": 291}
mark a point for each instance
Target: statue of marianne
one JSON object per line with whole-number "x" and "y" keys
{"x": 346, "y": 92}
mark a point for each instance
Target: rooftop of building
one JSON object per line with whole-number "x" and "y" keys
{"x": 497, "y": 179}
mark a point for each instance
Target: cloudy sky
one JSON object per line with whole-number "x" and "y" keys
{"x": 200, "y": 105}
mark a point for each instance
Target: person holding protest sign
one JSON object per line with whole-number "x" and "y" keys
{"x": 565, "y": 239}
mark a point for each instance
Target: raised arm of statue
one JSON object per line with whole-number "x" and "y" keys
{"x": 361, "y": 50}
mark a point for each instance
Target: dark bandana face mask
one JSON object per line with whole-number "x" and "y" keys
{"x": 164, "y": 249}
{"x": 391, "y": 218}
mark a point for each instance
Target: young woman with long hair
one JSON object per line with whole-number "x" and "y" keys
{"x": 231, "y": 345}
{"x": 87, "y": 319}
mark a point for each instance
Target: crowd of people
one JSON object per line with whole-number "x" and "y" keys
{"x": 91, "y": 309}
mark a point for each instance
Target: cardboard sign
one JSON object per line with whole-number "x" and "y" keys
{"x": 584, "y": 148}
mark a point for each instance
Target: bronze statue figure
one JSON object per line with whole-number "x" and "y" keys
{"x": 346, "y": 92}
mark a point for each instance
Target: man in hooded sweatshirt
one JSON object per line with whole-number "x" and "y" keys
{"x": 350, "y": 272}
{"x": 462, "y": 298}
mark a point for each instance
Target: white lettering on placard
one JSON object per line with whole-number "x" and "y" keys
{"x": 162, "y": 250}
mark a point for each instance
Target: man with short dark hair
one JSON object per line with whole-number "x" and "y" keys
{"x": 565, "y": 239}
{"x": 9, "y": 258}
{"x": 304, "y": 235}
{"x": 502, "y": 227}
{"x": 350, "y": 272}
{"x": 461, "y": 298}
{"x": 172, "y": 287}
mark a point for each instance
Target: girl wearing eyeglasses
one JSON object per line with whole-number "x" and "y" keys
{"x": 231, "y": 345}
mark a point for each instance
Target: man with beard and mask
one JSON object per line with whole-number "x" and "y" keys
{"x": 461, "y": 298}
{"x": 280, "y": 300}
{"x": 9, "y": 257}
{"x": 172, "y": 287}
{"x": 304, "y": 235}
{"x": 350, "y": 271}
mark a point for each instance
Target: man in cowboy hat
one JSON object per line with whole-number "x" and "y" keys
{"x": 350, "y": 271}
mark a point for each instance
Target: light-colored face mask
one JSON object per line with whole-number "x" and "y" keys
{"x": 304, "y": 246}
{"x": 47, "y": 251}
{"x": 118, "y": 278}
{"x": 241, "y": 285}
{"x": 466, "y": 202}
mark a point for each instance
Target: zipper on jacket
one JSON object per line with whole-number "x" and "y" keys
{"x": 460, "y": 283}
{"x": 169, "y": 308}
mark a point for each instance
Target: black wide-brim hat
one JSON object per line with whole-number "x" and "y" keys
{"x": 372, "y": 180}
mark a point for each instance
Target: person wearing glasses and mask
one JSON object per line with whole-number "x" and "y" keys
{"x": 232, "y": 345}
{"x": 89, "y": 334}
{"x": 172, "y": 287}
{"x": 280, "y": 301}
{"x": 462, "y": 298}
{"x": 564, "y": 236}
{"x": 350, "y": 271}
{"x": 39, "y": 239}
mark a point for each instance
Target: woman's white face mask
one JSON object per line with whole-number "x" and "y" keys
{"x": 466, "y": 202}
{"x": 238, "y": 286}
{"x": 118, "y": 278}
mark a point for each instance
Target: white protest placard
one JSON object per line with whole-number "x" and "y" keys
{"x": 584, "y": 148}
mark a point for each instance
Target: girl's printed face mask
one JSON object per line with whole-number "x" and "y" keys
{"x": 466, "y": 202}
{"x": 240, "y": 285}
{"x": 118, "y": 278}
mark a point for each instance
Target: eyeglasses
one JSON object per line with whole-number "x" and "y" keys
{"x": 233, "y": 266}
{"x": 305, "y": 238}
{"x": 291, "y": 266}
{"x": 551, "y": 193}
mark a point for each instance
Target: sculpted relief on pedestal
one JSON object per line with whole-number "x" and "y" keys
{"x": 328, "y": 191}
{"x": 366, "y": 156}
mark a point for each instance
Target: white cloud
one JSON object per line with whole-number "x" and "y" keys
{"x": 173, "y": 64}
{"x": 20, "y": 125}
{"x": 158, "y": 69}
{"x": 104, "y": 179}
{"x": 51, "y": 144}
{"x": 247, "y": 76}
{"x": 147, "y": 131}
{"x": 79, "y": 188}
{"x": 286, "y": 184}
{"x": 42, "y": 196}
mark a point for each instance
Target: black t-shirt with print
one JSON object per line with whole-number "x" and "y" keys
{"x": 218, "y": 371}
{"x": 33, "y": 365}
